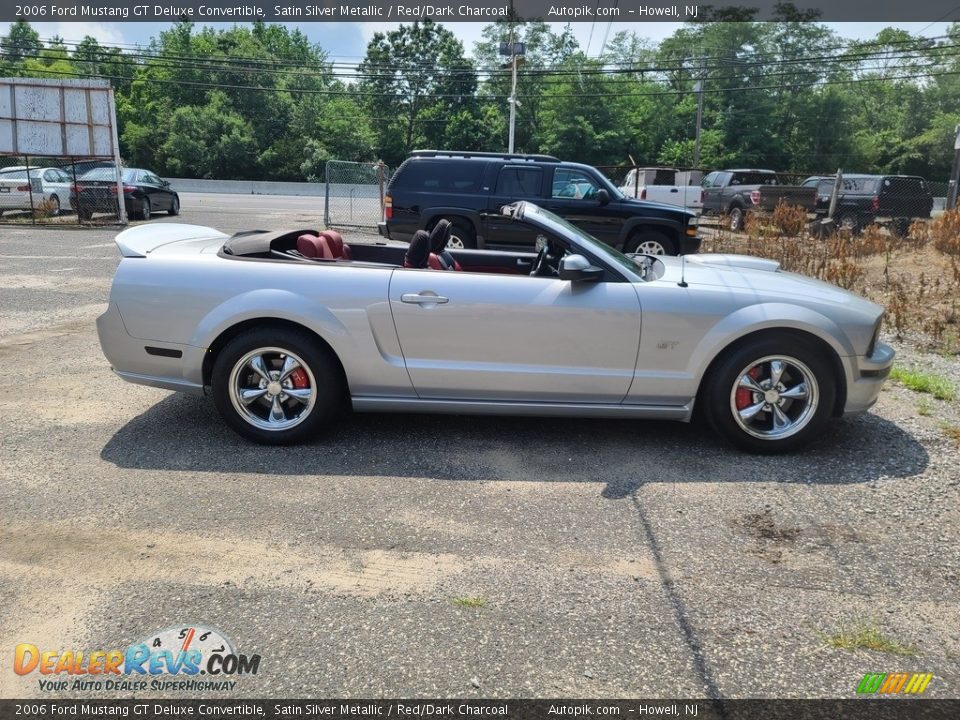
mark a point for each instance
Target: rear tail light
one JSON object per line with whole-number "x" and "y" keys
{"x": 755, "y": 197}
{"x": 875, "y": 203}
{"x": 23, "y": 188}
{"x": 387, "y": 207}
{"x": 126, "y": 189}
{"x": 75, "y": 188}
{"x": 643, "y": 194}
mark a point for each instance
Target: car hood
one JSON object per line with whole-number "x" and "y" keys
{"x": 762, "y": 277}
{"x": 647, "y": 204}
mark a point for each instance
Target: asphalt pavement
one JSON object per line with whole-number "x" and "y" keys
{"x": 449, "y": 556}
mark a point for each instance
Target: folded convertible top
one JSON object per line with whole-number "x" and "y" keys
{"x": 255, "y": 242}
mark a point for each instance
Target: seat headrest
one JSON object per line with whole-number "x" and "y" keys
{"x": 313, "y": 246}
{"x": 418, "y": 254}
{"x": 440, "y": 236}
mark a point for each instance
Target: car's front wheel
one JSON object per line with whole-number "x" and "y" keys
{"x": 770, "y": 395}
{"x": 174, "y": 206}
{"x": 651, "y": 242}
{"x": 462, "y": 236}
{"x": 276, "y": 387}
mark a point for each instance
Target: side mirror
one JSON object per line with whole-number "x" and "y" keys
{"x": 603, "y": 197}
{"x": 578, "y": 269}
{"x": 165, "y": 183}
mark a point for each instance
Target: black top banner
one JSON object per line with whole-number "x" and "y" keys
{"x": 485, "y": 11}
{"x": 557, "y": 709}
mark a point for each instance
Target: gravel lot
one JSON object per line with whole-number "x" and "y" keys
{"x": 448, "y": 556}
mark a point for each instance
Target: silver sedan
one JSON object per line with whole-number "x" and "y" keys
{"x": 285, "y": 328}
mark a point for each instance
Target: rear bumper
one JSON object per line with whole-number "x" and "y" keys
{"x": 129, "y": 358}
{"x": 865, "y": 377}
{"x": 383, "y": 230}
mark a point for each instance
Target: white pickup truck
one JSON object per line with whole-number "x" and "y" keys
{"x": 665, "y": 185}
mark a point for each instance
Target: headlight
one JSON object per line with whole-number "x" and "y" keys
{"x": 692, "y": 225}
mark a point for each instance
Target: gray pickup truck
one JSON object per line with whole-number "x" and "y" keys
{"x": 734, "y": 193}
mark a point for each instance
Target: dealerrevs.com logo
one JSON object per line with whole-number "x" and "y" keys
{"x": 185, "y": 653}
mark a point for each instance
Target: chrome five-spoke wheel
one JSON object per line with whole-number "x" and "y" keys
{"x": 774, "y": 397}
{"x": 272, "y": 388}
{"x": 277, "y": 385}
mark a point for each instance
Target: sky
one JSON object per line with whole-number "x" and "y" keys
{"x": 348, "y": 41}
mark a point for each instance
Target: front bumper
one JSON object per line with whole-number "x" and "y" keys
{"x": 690, "y": 245}
{"x": 865, "y": 376}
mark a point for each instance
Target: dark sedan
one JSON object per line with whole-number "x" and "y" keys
{"x": 143, "y": 193}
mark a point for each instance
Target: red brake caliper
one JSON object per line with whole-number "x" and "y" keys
{"x": 745, "y": 395}
{"x": 300, "y": 380}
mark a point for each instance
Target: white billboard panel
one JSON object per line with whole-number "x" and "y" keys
{"x": 70, "y": 118}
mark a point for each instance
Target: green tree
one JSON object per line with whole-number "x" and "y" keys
{"x": 414, "y": 80}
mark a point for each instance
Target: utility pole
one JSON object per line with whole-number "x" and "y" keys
{"x": 954, "y": 174}
{"x": 516, "y": 51}
{"x": 513, "y": 103}
{"x": 699, "y": 90}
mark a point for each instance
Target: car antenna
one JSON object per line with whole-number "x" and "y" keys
{"x": 683, "y": 268}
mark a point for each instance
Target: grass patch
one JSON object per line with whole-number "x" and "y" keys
{"x": 868, "y": 637}
{"x": 921, "y": 382}
{"x": 469, "y": 602}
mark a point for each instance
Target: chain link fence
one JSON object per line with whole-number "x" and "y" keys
{"x": 42, "y": 190}
{"x": 354, "y": 193}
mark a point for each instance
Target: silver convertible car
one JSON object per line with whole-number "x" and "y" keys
{"x": 285, "y": 329}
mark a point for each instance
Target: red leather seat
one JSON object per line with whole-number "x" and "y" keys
{"x": 328, "y": 245}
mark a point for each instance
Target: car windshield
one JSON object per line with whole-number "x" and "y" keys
{"x": 601, "y": 248}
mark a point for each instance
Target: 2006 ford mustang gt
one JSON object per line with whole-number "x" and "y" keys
{"x": 283, "y": 327}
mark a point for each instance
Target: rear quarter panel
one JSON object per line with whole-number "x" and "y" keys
{"x": 192, "y": 300}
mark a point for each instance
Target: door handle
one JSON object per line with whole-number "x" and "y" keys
{"x": 416, "y": 299}
{"x": 521, "y": 261}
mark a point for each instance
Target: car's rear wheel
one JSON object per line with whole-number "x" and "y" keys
{"x": 850, "y": 222}
{"x": 54, "y": 206}
{"x": 771, "y": 395}
{"x": 174, "y": 206}
{"x": 276, "y": 387}
{"x": 650, "y": 242}
{"x": 736, "y": 218}
{"x": 84, "y": 214}
{"x": 462, "y": 236}
{"x": 145, "y": 209}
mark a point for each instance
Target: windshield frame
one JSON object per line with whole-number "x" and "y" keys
{"x": 555, "y": 224}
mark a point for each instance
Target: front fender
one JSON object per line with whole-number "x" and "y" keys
{"x": 672, "y": 227}
{"x": 766, "y": 316}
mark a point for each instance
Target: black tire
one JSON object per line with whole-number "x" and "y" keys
{"x": 900, "y": 227}
{"x": 174, "y": 206}
{"x": 736, "y": 216}
{"x": 721, "y": 401}
{"x": 651, "y": 242}
{"x": 145, "y": 209}
{"x": 84, "y": 214}
{"x": 462, "y": 231}
{"x": 324, "y": 377}
{"x": 850, "y": 222}
{"x": 55, "y": 210}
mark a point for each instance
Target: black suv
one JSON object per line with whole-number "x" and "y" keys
{"x": 865, "y": 199}
{"x": 469, "y": 188}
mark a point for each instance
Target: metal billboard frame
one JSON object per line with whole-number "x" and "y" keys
{"x": 83, "y": 113}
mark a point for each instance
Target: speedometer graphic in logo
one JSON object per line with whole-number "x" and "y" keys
{"x": 190, "y": 637}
